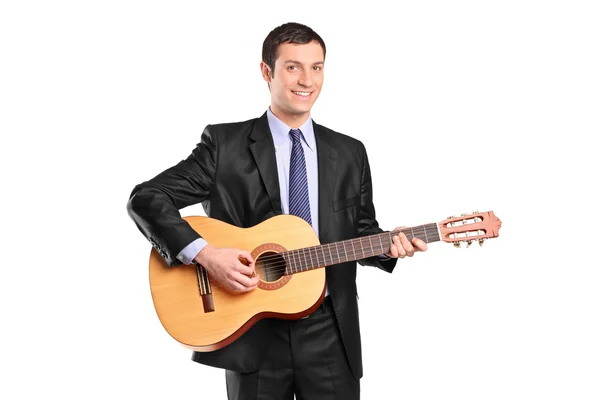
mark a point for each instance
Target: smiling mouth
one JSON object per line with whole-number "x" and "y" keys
{"x": 302, "y": 94}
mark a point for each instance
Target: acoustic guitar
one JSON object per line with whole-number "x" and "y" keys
{"x": 203, "y": 316}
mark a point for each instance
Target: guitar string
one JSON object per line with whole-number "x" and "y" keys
{"x": 300, "y": 266}
{"x": 277, "y": 263}
{"x": 300, "y": 257}
{"x": 430, "y": 230}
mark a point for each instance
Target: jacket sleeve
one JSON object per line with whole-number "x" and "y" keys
{"x": 154, "y": 205}
{"x": 367, "y": 224}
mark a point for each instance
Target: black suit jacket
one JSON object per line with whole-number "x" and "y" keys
{"x": 233, "y": 172}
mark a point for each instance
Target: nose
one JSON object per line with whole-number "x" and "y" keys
{"x": 306, "y": 78}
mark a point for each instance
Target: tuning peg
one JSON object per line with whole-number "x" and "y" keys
{"x": 457, "y": 244}
{"x": 469, "y": 242}
{"x": 450, "y": 217}
{"x": 481, "y": 242}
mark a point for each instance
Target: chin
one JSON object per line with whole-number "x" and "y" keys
{"x": 305, "y": 108}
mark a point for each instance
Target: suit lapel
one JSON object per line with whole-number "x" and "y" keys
{"x": 327, "y": 156}
{"x": 263, "y": 151}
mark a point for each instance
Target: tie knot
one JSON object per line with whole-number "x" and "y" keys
{"x": 295, "y": 134}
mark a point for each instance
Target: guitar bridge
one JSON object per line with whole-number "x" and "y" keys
{"x": 204, "y": 287}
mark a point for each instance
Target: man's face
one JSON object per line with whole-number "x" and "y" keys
{"x": 297, "y": 80}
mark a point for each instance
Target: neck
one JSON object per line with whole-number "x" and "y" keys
{"x": 308, "y": 258}
{"x": 293, "y": 120}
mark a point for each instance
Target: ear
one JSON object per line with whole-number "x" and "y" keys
{"x": 265, "y": 71}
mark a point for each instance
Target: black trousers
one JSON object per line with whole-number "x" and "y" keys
{"x": 307, "y": 359}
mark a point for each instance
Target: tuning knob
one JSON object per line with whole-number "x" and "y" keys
{"x": 457, "y": 244}
{"x": 469, "y": 242}
{"x": 481, "y": 242}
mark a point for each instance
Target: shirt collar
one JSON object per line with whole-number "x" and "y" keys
{"x": 281, "y": 131}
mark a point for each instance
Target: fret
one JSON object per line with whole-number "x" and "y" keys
{"x": 292, "y": 261}
{"x": 345, "y": 253}
{"x": 338, "y": 252}
{"x": 305, "y": 263}
{"x": 381, "y": 244}
{"x": 323, "y": 251}
{"x": 299, "y": 257}
{"x": 309, "y": 263}
{"x": 353, "y": 252}
{"x": 321, "y": 263}
{"x": 306, "y": 260}
{"x": 296, "y": 260}
{"x": 413, "y": 234}
{"x": 370, "y": 244}
{"x": 361, "y": 247}
{"x": 330, "y": 254}
{"x": 425, "y": 231}
{"x": 310, "y": 255}
{"x": 299, "y": 266}
{"x": 289, "y": 262}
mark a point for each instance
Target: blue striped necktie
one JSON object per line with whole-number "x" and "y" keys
{"x": 299, "y": 200}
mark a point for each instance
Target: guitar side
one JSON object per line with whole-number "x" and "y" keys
{"x": 176, "y": 294}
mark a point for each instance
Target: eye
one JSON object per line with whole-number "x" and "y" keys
{"x": 318, "y": 68}
{"x": 292, "y": 67}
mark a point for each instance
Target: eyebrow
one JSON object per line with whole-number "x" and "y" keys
{"x": 298, "y": 62}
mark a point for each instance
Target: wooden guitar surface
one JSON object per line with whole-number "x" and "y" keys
{"x": 176, "y": 294}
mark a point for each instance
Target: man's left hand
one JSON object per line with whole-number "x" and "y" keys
{"x": 401, "y": 247}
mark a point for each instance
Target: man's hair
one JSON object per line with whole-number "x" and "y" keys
{"x": 291, "y": 32}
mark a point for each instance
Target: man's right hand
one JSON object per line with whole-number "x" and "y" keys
{"x": 232, "y": 268}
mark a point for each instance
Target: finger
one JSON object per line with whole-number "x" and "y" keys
{"x": 246, "y": 281}
{"x": 419, "y": 244}
{"x": 246, "y": 263}
{"x": 236, "y": 286}
{"x": 255, "y": 279}
{"x": 245, "y": 269}
{"x": 253, "y": 283}
{"x": 245, "y": 256}
{"x": 399, "y": 248}
{"x": 408, "y": 247}
{"x": 393, "y": 251}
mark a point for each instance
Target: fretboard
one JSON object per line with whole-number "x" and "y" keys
{"x": 325, "y": 255}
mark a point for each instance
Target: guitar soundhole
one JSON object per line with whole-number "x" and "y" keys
{"x": 270, "y": 266}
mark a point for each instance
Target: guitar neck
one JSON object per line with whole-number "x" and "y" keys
{"x": 308, "y": 258}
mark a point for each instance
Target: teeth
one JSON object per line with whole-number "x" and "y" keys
{"x": 302, "y": 93}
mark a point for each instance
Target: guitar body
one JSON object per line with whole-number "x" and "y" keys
{"x": 176, "y": 291}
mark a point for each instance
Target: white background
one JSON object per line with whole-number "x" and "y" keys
{"x": 463, "y": 106}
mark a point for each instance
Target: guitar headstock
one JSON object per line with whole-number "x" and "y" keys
{"x": 477, "y": 226}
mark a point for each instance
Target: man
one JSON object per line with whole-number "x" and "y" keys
{"x": 246, "y": 172}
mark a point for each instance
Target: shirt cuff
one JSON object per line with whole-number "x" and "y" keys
{"x": 190, "y": 251}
